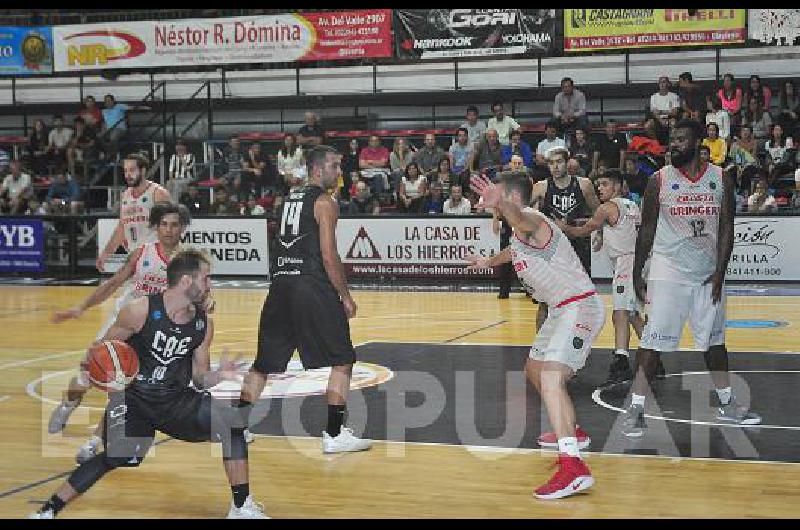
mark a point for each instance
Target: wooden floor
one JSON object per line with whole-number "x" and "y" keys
{"x": 291, "y": 476}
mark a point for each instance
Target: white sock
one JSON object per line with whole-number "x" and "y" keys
{"x": 724, "y": 395}
{"x": 636, "y": 399}
{"x": 621, "y": 351}
{"x": 568, "y": 446}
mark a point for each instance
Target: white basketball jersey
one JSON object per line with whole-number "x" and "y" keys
{"x": 685, "y": 247}
{"x": 134, "y": 214}
{"x": 149, "y": 274}
{"x": 552, "y": 273}
{"x": 620, "y": 239}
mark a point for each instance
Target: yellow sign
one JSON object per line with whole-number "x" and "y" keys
{"x": 603, "y": 29}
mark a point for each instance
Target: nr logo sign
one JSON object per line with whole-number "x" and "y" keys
{"x": 363, "y": 247}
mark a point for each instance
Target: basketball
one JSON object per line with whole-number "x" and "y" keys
{"x": 112, "y": 365}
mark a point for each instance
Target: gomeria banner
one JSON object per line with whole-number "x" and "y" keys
{"x": 194, "y": 42}
{"x": 598, "y": 29}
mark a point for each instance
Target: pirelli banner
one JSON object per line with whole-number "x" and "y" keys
{"x": 438, "y": 33}
{"x": 216, "y": 41}
{"x": 238, "y": 246}
{"x": 608, "y": 29}
{"x": 764, "y": 248}
{"x": 428, "y": 247}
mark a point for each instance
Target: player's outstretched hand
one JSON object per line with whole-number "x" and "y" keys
{"x": 229, "y": 367}
{"x": 350, "y": 307}
{"x": 61, "y": 316}
{"x": 715, "y": 280}
{"x": 484, "y": 187}
{"x": 475, "y": 262}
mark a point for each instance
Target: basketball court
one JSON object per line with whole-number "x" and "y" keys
{"x": 440, "y": 388}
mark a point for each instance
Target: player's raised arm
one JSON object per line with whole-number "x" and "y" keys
{"x": 482, "y": 262}
{"x": 103, "y": 291}
{"x": 595, "y": 223}
{"x": 647, "y": 232}
{"x": 326, "y": 214}
{"x": 493, "y": 197}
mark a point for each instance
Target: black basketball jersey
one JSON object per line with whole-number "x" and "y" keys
{"x": 567, "y": 204}
{"x": 298, "y": 236}
{"x": 165, "y": 349}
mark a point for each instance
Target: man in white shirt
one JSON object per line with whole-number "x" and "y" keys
{"x": 551, "y": 140}
{"x": 475, "y": 127}
{"x": 15, "y": 191}
{"x": 501, "y": 123}
{"x": 59, "y": 139}
{"x": 664, "y": 104}
{"x": 457, "y": 204}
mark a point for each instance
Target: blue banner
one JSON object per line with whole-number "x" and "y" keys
{"x": 21, "y": 245}
{"x": 26, "y": 50}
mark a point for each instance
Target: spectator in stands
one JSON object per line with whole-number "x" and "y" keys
{"x": 780, "y": 152}
{"x": 720, "y": 117}
{"x": 654, "y": 130}
{"x": 461, "y": 151}
{"x": 517, "y": 165}
{"x": 789, "y": 108}
{"x": 363, "y": 202}
{"x": 761, "y": 200}
{"x": 444, "y": 176}
{"x": 551, "y": 139}
{"x": 582, "y": 149}
{"x": 399, "y": 159}
{"x": 759, "y": 91}
{"x": 664, "y": 103}
{"x": 374, "y": 164}
{"x": 730, "y": 96}
{"x": 717, "y": 146}
{"x": 194, "y": 201}
{"x": 435, "y": 200}
{"x": 91, "y": 115}
{"x": 64, "y": 194}
{"x": 16, "y": 190}
{"x": 181, "y": 170}
{"x": 251, "y": 207}
{"x": 693, "y": 101}
{"x": 517, "y": 146}
{"x": 115, "y": 126}
{"x": 37, "y": 148}
{"x": 457, "y": 204}
{"x": 58, "y": 141}
{"x": 759, "y": 121}
{"x": 82, "y": 146}
{"x": 429, "y": 155}
{"x": 569, "y": 107}
{"x": 311, "y": 134}
{"x": 412, "y": 189}
{"x": 501, "y": 123}
{"x": 258, "y": 173}
{"x": 635, "y": 180}
{"x": 475, "y": 128}
{"x": 350, "y": 169}
{"x": 743, "y": 155}
{"x": 290, "y": 157}
{"x": 705, "y": 154}
{"x": 599, "y": 170}
{"x": 574, "y": 168}
{"x": 488, "y": 155}
{"x": 222, "y": 204}
{"x": 611, "y": 147}
{"x": 233, "y": 159}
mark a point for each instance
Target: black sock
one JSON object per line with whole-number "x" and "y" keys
{"x": 55, "y": 503}
{"x": 335, "y": 419}
{"x": 240, "y": 493}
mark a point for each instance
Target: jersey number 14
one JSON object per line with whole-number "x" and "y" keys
{"x": 291, "y": 216}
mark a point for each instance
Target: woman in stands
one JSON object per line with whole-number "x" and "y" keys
{"x": 780, "y": 154}
{"x": 758, "y": 91}
{"x": 37, "y": 148}
{"x": 789, "y": 108}
{"x": 412, "y": 189}
{"x": 290, "y": 157}
{"x": 445, "y": 176}
{"x": 399, "y": 160}
{"x": 730, "y": 96}
{"x": 759, "y": 121}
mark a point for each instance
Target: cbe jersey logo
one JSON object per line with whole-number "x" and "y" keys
{"x": 100, "y": 47}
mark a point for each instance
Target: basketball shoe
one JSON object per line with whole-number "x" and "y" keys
{"x": 60, "y": 416}
{"x": 249, "y": 510}
{"x": 549, "y": 439}
{"x": 573, "y": 476}
{"x": 619, "y": 371}
{"x": 344, "y": 443}
{"x": 735, "y": 413}
{"x": 633, "y": 424}
{"x": 47, "y": 514}
{"x": 88, "y": 450}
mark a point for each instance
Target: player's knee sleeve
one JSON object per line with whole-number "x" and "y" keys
{"x": 234, "y": 447}
{"x": 90, "y": 472}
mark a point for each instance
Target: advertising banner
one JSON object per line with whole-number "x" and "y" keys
{"x": 764, "y": 249}
{"x": 26, "y": 50}
{"x": 21, "y": 245}
{"x": 604, "y": 29}
{"x": 437, "y": 33}
{"x": 415, "y": 247}
{"x": 214, "y": 41}
{"x": 237, "y": 246}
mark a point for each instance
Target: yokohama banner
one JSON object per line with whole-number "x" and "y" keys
{"x": 430, "y": 247}
{"x": 437, "y": 33}
{"x": 598, "y": 29}
{"x": 196, "y": 42}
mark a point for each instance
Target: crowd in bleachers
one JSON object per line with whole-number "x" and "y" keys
{"x": 749, "y": 132}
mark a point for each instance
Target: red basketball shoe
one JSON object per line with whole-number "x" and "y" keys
{"x": 573, "y": 475}
{"x": 549, "y": 439}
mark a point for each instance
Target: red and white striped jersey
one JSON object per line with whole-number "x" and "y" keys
{"x": 620, "y": 239}
{"x": 552, "y": 272}
{"x": 149, "y": 273}
{"x": 685, "y": 246}
{"x": 134, "y": 214}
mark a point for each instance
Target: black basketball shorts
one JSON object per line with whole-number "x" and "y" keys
{"x": 303, "y": 313}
